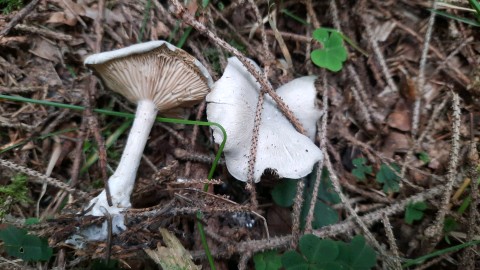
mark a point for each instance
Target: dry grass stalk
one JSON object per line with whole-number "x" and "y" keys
{"x": 421, "y": 72}
{"x": 394, "y": 263}
{"x": 434, "y": 232}
{"x": 41, "y": 178}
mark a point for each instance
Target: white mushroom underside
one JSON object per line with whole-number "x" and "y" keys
{"x": 140, "y": 48}
{"x": 281, "y": 148}
{"x": 166, "y": 81}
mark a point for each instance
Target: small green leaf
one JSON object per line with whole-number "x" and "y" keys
{"x": 323, "y": 215}
{"x": 449, "y": 225}
{"x": 327, "y": 254}
{"x": 318, "y": 251}
{"x": 284, "y": 192}
{"x": 423, "y": 156}
{"x": 357, "y": 254}
{"x": 389, "y": 178}
{"x": 269, "y": 260}
{"x": 31, "y": 221}
{"x": 321, "y": 35}
{"x": 333, "y": 53}
{"x": 414, "y": 211}
{"x": 292, "y": 260}
{"x": 326, "y": 191}
{"x": 361, "y": 170}
{"x": 19, "y": 244}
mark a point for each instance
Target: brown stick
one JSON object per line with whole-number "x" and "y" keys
{"x": 20, "y": 15}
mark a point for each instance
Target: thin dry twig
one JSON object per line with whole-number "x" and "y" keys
{"x": 322, "y": 131}
{"x": 296, "y": 213}
{"x": 18, "y": 17}
{"x": 43, "y": 32}
{"x": 434, "y": 232}
{"x": 41, "y": 178}
{"x": 473, "y": 159}
{"x": 258, "y": 112}
{"x": 379, "y": 55}
{"x": 393, "y": 244}
{"x": 421, "y": 72}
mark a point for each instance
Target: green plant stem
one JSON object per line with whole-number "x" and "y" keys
{"x": 184, "y": 37}
{"x": 130, "y": 116}
{"x": 203, "y": 239}
{"x": 438, "y": 253}
{"x": 108, "y": 143}
{"x": 146, "y": 17}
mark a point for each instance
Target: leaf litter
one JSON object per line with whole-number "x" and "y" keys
{"x": 47, "y": 65}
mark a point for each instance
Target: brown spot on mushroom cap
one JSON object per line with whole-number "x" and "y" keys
{"x": 170, "y": 78}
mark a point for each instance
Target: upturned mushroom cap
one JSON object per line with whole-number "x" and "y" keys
{"x": 154, "y": 70}
{"x": 232, "y": 103}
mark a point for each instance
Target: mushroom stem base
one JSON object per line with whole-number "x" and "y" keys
{"x": 122, "y": 181}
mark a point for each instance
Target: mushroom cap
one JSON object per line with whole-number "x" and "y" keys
{"x": 154, "y": 70}
{"x": 232, "y": 103}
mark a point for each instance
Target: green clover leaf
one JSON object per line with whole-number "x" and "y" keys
{"x": 389, "y": 178}
{"x": 361, "y": 170}
{"x": 414, "y": 211}
{"x": 333, "y": 53}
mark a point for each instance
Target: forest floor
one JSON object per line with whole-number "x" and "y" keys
{"x": 399, "y": 129}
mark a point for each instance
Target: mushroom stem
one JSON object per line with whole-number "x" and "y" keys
{"x": 123, "y": 179}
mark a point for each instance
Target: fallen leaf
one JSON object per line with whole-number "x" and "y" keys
{"x": 174, "y": 255}
{"x": 395, "y": 142}
{"x": 400, "y": 118}
{"x": 62, "y": 18}
{"x": 111, "y": 18}
{"x": 46, "y": 50}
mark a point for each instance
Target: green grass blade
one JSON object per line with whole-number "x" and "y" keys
{"x": 146, "y": 17}
{"x": 293, "y": 16}
{"x": 454, "y": 17}
{"x": 108, "y": 143}
{"x": 129, "y": 116}
{"x": 475, "y": 5}
{"x": 184, "y": 37}
{"x": 437, "y": 253}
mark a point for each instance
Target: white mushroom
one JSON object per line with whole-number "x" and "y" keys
{"x": 281, "y": 148}
{"x": 158, "y": 77}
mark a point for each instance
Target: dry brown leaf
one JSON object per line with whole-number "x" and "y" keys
{"x": 111, "y": 18}
{"x": 62, "y": 18}
{"x": 400, "y": 120}
{"x": 174, "y": 256}
{"x": 12, "y": 41}
{"x": 160, "y": 31}
{"x": 395, "y": 142}
{"x": 46, "y": 50}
